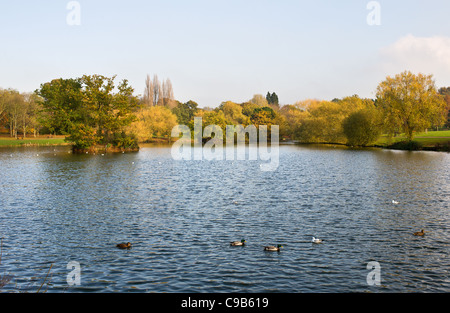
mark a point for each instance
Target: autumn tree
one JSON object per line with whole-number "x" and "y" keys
{"x": 233, "y": 113}
{"x": 263, "y": 116}
{"x": 304, "y": 105}
{"x": 156, "y": 90}
{"x": 4, "y": 97}
{"x": 248, "y": 108}
{"x": 14, "y": 112}
{"x": 293, "y": 118}
{"x": 158, "y": 93}
{"x": 16, "y": 107}
{"x": 148, "y": 92}
{"x": 445, "y": 92}
{"x": 167, "y": 94}
{"x": 155, "y": 121}
{"x": 354, "y": 103}
{"x": 214, "y": 118}
{"x": 363, "y": 127}
{"x": 152, "y": 92}
{"x": 323, "y": 122}
{"x": 410, "y": 103}
{"x": 29, "y": 114}
{"x": 259, "y": 100}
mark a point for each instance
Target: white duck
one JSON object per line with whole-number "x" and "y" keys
{"x": 316, "y": 240}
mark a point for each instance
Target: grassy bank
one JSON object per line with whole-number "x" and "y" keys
{"x": 38, "y": 141}
{"x": 6, "y": 141}
{"x": 432, "y": 141}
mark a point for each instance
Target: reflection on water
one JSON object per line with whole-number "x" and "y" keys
{"x": 181, "y": 215}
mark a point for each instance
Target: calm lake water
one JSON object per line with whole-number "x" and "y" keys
{"x": 180, "y": 216}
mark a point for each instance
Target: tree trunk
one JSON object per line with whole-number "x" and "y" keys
{"x": 409, "y": 134}
{"x": 24, "y": 128}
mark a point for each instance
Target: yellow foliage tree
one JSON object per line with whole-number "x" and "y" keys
{"x": 233, "y": 113}
{"x": 155, "y": 121}
{"x": 324, "y": 119}
{"x": 410, "y": 103}
{"x": 290, "y": 117}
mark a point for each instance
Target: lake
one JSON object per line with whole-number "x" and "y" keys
{"x": 56, "y": 208}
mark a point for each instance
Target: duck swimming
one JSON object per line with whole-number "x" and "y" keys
{"x": 124, "y": 245}
{"x": 420, "y": 233}
{"x": 238, "y": 243}
{"x": 273, "y": 248}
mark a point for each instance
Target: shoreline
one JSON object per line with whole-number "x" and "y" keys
{"x": 47, "y": 142}
{"x": 31, "y": 141}
{"x": 435, "y": 148}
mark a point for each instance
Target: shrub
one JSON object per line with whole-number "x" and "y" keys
{"x": 122, "y": 140}
{"x": 407, "y": 145}
{"x": 362, "y": 128}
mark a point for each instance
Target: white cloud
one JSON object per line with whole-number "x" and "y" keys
{"x": 427, "y": 55}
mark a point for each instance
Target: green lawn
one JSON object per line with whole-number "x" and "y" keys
{"x": 441, "y": 133}
{"x": 430, "y": 138}
{"x": 11, "y": 142}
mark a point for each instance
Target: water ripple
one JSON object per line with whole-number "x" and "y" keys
{"x": 181, "y": 216}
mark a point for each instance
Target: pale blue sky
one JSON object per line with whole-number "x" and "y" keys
{"x": 215, "y": 51}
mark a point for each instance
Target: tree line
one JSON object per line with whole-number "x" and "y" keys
{"x": 19, "y": 113}
{"x": 97, "y": 110}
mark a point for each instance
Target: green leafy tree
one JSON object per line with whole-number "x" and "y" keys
{"x": 410, "y": 103}
{"x": 109, "y": 112}
{"x": 272, "y": 98}
{"x": 248, "y": 108}
{"x": 185, "y": 111}
{"x": 90, "y": 109}
{"x": 62, "y": 104}
{"x": 263, "y": 116}
{"x": 84, "y": 136}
